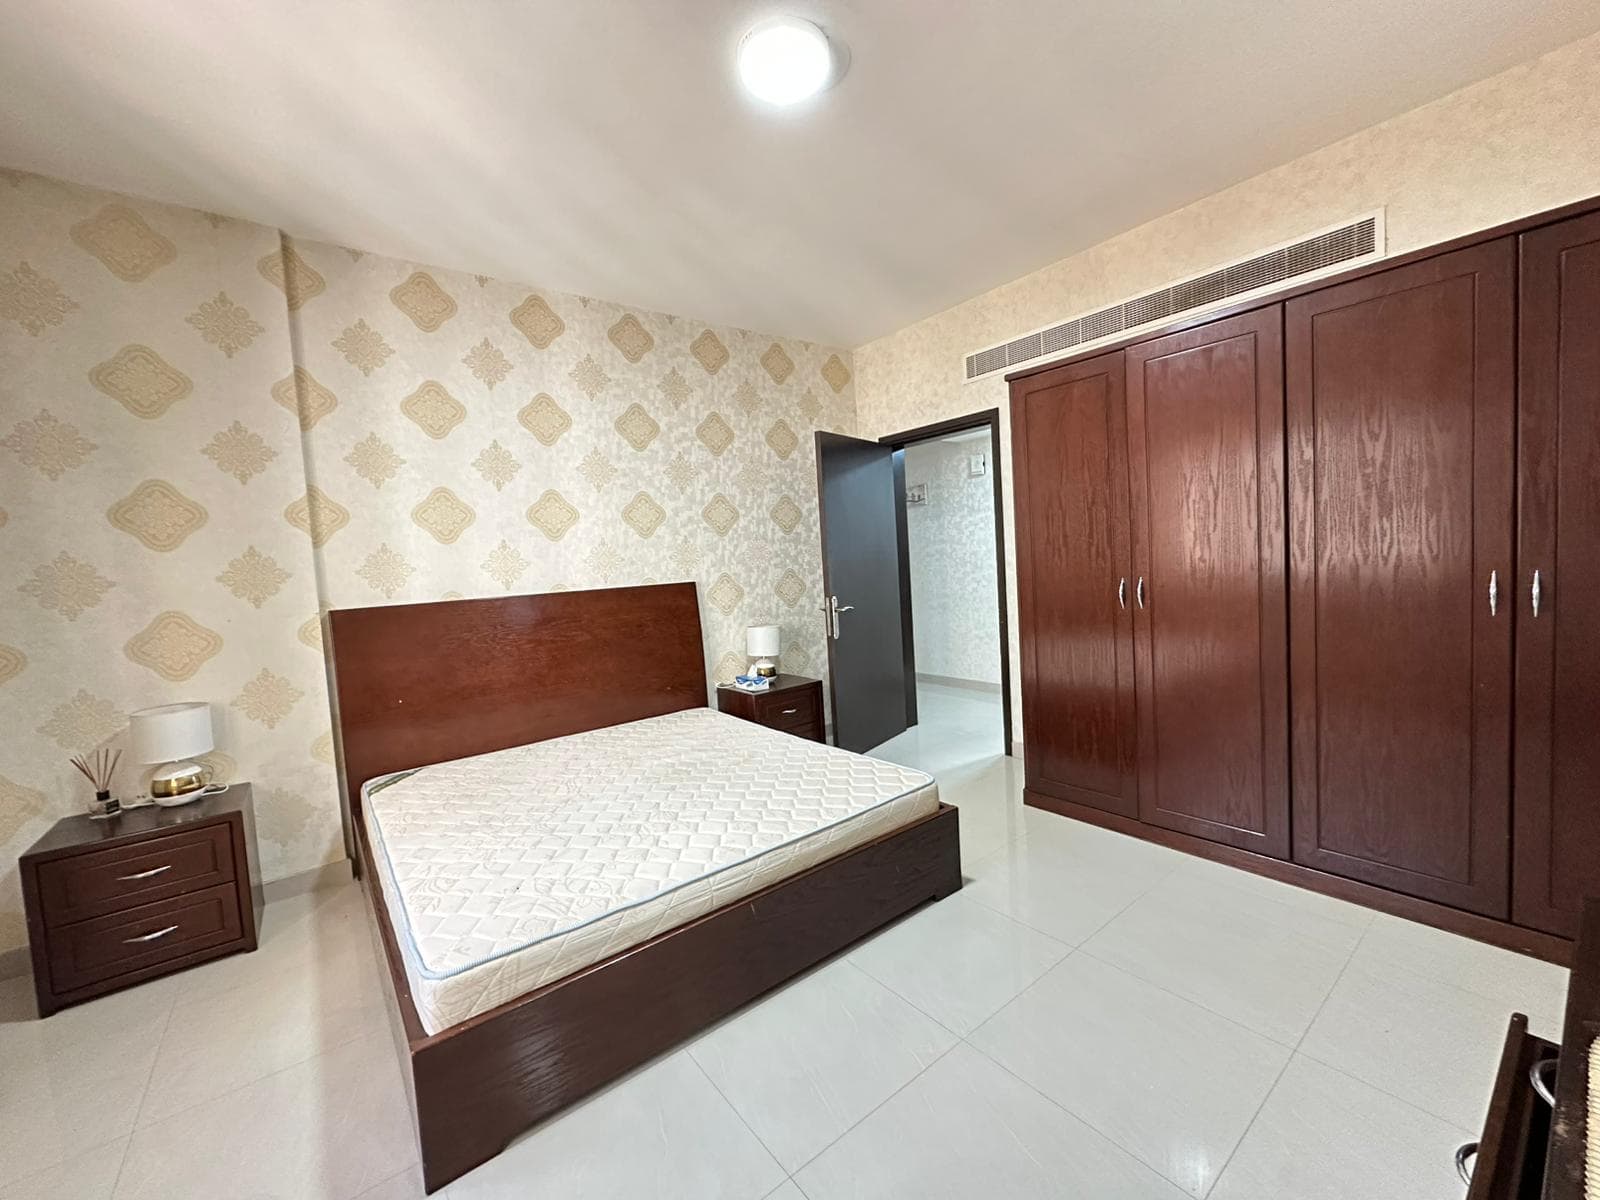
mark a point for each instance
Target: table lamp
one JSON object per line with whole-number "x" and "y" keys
{"x": 761, "y": 643}
{"x": 169, "y": 736}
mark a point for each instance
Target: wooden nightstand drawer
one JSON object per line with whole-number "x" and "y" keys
{"x": 795, "y": 710}
{"x": 113, "y": 903}
{"x": 108, "y": 881}
{"x": 793, "y": 705}
{"x": 98, "y": 949}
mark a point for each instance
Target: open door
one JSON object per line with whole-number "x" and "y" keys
{"x": 863, "y": 599}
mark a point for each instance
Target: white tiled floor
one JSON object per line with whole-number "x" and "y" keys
{"x": 1092, "y": 1017}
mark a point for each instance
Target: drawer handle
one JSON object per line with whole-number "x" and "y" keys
{"x": 1468, "y": 1151}
{"x": 1536, "y": 1076}
{"x": 143, "y": 874}
{"x": 789, "y": 712}
{"x": 151, "y": 937}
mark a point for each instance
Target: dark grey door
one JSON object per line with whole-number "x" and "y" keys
{"x": 861, "y": 590}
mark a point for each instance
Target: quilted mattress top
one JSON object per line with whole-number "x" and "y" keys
{"x": 498, "y": 852}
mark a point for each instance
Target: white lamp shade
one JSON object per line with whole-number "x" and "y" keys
{"x": 761, "y": 641}
{"x": 170, "y": 732}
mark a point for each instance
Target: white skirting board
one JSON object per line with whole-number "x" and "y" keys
{"x": 17, "y": 961}
{"x": 974, "y": 685}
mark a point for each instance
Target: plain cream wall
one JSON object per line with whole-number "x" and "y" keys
{"x": 1517, "y": 143}
{"x": 955, "y": 603}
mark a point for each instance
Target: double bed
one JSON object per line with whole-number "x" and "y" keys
{"x": 572, "y": 864}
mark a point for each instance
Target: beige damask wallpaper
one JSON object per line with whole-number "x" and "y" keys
{"x": 487, "y": 438}
{"x": 208, "y": 433}
{"x": 144, "y": 474}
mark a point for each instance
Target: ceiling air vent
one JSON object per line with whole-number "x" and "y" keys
{"x": 1320, "y": 253}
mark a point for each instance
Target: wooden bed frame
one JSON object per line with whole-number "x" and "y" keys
{"x": 422, "y": 683}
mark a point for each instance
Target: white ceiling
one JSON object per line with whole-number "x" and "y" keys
{"x": 601, "y": 147}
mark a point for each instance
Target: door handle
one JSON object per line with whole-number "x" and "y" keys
{"x": 834, "y": 609}
{"x": 1138, "y": 592}
{"x": 1122, "y": 591}
{"x": 1539, "y": 1077}
{"x": 1535, "y": 592}
{"x": 1494, "y": 593}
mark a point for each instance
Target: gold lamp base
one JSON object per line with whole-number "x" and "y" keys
{"x": 177, "y": 783}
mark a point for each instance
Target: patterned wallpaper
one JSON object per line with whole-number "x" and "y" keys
{"x": 144, "y": 474}
{"x": 1519, "y": 142}
{"x": 209, "y": 432}
{"x": 956, "y": 603}
{"x": 487, "y": 438}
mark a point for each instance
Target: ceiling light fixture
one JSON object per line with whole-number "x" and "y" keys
{"x": 785, "y": 60}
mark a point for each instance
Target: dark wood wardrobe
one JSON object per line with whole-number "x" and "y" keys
{"x": 1288, "y": 583}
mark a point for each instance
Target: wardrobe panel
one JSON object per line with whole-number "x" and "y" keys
{"x": 1206, "y": 464}
{"x": 1401, "y": 408}
{"x": 1069, "y": 443}
{"x": 1557, "y": 795}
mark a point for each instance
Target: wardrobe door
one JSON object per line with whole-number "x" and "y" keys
{"x": 1069, "y": 445}
{"x": 1206, "y": 467}
{"x": 1400, "y": 411}
{"x": 1558, "y": 644}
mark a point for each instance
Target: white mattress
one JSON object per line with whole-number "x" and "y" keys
{"x": 509, "y": 870}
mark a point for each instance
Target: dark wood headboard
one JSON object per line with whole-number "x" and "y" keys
{"x": 415, "y": 684}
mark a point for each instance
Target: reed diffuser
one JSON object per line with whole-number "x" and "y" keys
{"x": 98, "y": 769}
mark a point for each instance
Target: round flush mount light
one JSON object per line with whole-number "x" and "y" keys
{"x": 785, "y": 60}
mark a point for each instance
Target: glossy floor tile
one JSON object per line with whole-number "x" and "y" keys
{"x": 1092, "y": 1016}
{"x": 968, "y": 1128}
{"x": 86, "y": 1176}
{"x": 1322, "y": 1135}
{"x": 666, "y": 1132}
{"x": 1167, "y": 1080}
{"x": 959, "y": 962}
{"x": 812, "y": 1060}
{"x": 956, "y": 727}
{"x": 1223, "y": 950}
{"x": 1434, "y": 1045}
{"x": 1068, "y": 893}
{"x": 324, "y": 1129}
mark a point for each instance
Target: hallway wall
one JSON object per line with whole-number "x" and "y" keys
{"x": 954, "y": 594}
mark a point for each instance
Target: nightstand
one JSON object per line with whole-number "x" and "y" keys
{"x": 149, "y": 892}
{"x": 792, "y": 703}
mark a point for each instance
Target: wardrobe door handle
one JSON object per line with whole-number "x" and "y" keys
{"x": 1122, "y": 591}
{"x": 1541, "y": 1086}
{"x": 1138, "y": 591}
{"x": 1494, "y": 593}
{"x": 1535, "y": 591}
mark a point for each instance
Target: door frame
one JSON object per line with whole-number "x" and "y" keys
{"x": 989, "y": 418}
